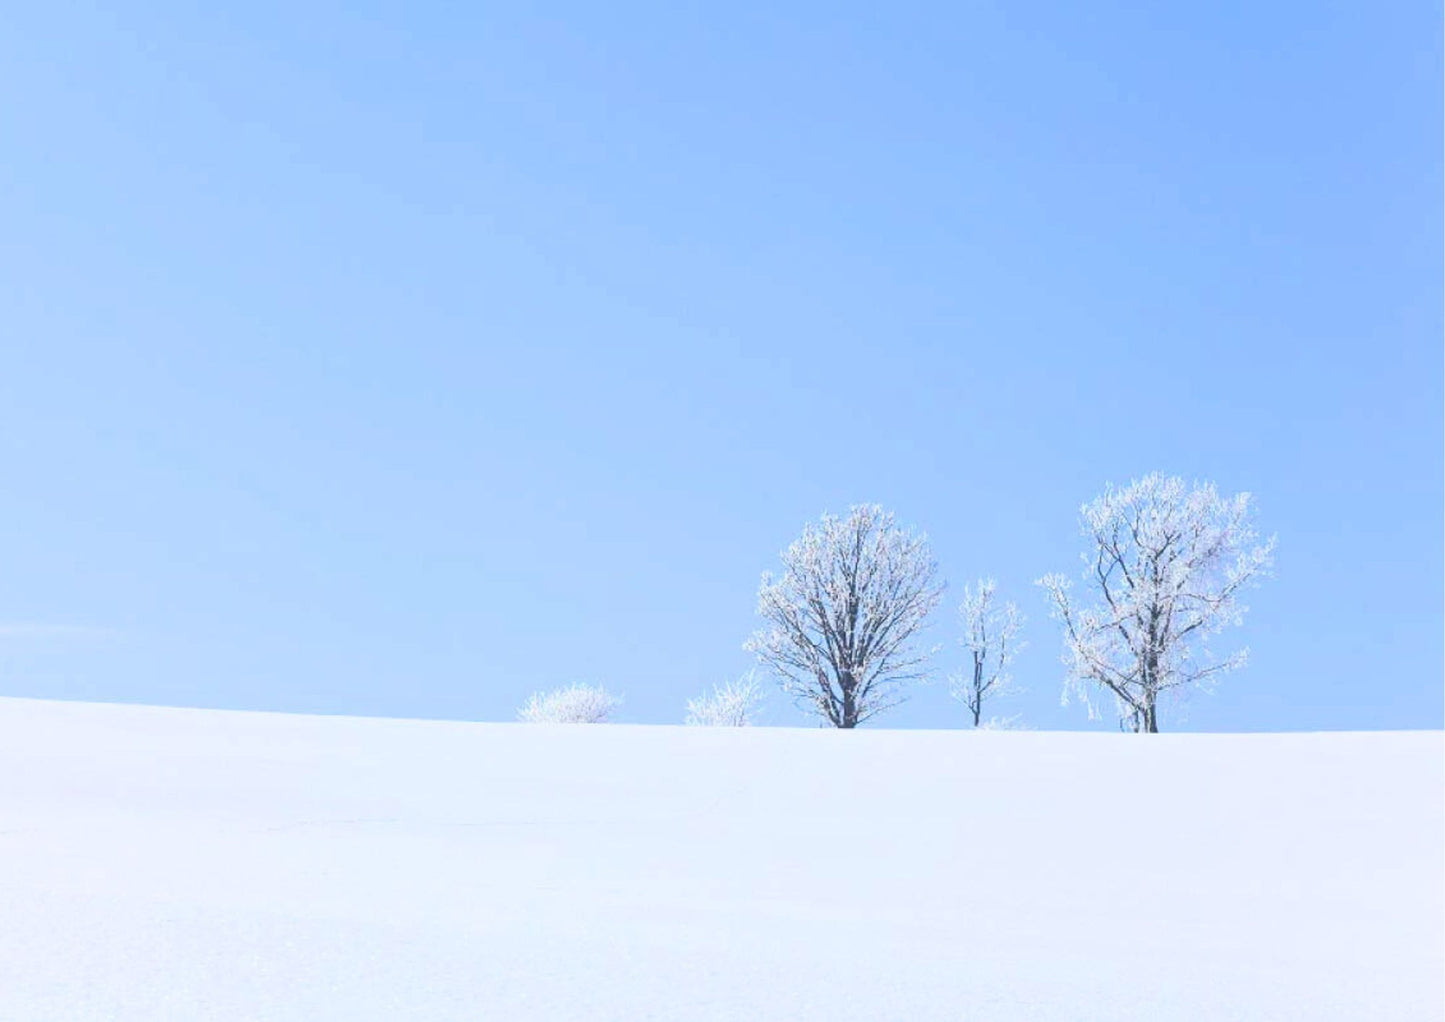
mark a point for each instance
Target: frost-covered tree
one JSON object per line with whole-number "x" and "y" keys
{"x": 732, "y": 704}
{"x": 841, "y": 616}
{"x": 990, "y": 634}
{"x": 1167, "y": 564}
{"x": 576, "y": 704}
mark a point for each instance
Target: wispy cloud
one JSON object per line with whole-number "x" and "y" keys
{"x": 47, "y": 630}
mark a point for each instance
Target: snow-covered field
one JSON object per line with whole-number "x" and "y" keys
{"x": 164, "y": 864}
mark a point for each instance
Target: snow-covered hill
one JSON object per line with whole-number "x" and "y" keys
{"x": 162, "y": 864}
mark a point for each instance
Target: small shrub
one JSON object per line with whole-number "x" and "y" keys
{"x": 1011, "y": 723}
{"x": 733, "y": 704}
{"x": 576, "y": 704}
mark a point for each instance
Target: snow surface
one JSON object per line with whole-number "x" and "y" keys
{"x": 164, "y": 864}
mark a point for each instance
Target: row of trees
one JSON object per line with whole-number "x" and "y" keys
{"x": 1165, "y": 566}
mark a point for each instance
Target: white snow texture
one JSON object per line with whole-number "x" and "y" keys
{"x": 167, "y": 864}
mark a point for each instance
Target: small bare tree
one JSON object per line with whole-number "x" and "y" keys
{"x": 732, "y": 704}
{"x": 990, "y": 634}
{"x": 840, "y": 618}
{"x": 1168, "y": 564}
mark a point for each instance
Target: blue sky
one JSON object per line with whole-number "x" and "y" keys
{"x": 406, "y": 360}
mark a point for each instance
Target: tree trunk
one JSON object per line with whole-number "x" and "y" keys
{"x": 977, "y": 706}
{"x": 1148, "y": 721}
{"x": 850, "y": 703}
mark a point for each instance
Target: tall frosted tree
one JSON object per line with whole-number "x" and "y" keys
{"x": 840, "y": 619}
{"x": 990, "y": 634}
{"x": 1167, "y": 564}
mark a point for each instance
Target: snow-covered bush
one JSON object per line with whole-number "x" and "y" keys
{"x": 732, "y": 704}
{"x": 576, "y": 704}
{"x": 1013, "y": 722}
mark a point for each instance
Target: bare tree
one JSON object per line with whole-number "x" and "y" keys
{"x": 576, "y": 704}
{"x": 990, "y": 634}
{"x": 1168, "y": 564}
{"x": 733, "y": 704}
{"x": 840, "y": 617}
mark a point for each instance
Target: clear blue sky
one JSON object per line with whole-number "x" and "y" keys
{"x": 404, "y": 360}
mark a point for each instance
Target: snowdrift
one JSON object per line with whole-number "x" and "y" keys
{"x": 162, "y": 864}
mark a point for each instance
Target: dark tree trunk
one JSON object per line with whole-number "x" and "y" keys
{"x": 850, "y": 701}
{"x": 977, "y": 706}
{"x": 1148, "y": 720}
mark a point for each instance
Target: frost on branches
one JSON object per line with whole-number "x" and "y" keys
{"x": 576, "y": 704}
{"x": 990, "y": 634}
{"x": 840, "y": 618}
{"x": 733, "y": 704}
{"x": 1166, "y": 565}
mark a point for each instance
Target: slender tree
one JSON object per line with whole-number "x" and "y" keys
{"x": 990, "y": 634}
{"x": 1167, "y": 564}
{"x": 840, "y": 618}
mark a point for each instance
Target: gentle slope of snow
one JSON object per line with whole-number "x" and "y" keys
{"x": 160, "y": 864}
